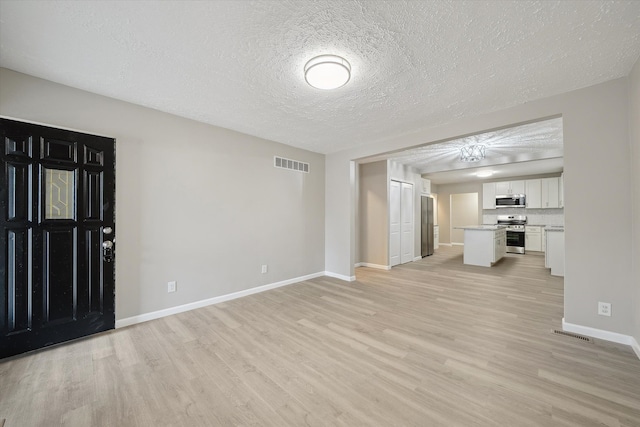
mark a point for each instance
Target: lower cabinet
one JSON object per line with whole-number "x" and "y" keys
{"x": 533, "y": 239}
{"x": 500, "y": 245}
{"x": 436, "y": 237}
{"x": 554, "y": 257}
{"x": 484, "y": 247}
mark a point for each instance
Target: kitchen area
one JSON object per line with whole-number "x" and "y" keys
{"x": 493, "y": 194}
{"x": 518, "y": 216}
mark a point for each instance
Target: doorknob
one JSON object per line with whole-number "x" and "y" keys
{"x": 107, "y": 250}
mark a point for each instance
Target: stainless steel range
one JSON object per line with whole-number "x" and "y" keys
{"x": 515, "y": 232}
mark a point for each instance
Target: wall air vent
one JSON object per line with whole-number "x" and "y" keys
{"x": 294, "y": 165}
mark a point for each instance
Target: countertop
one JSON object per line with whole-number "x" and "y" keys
{"x": 554, "y": 228}
{"x": 484, "y": 227}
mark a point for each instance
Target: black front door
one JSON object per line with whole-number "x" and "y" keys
{"x": 57, "y": 194}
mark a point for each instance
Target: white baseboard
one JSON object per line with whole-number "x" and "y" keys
{"x": 357, "y": 264}
{"x": 210, "y": 301}
{"x": 378, "y": 266}
{"x": 340, "y": 276}
{"x": 418, "y": 258}
{"x": 453, "y": 244}
{"x": 603, "y": 335}
{"x": 445, "y": 244}
{"x": 636, "y": 347}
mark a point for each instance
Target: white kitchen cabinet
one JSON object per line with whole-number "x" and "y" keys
{"x": 533, "y": 193}
{"x": 533, "y": 238}
{"x": 517, "y": 187}
{"x": 426, "y": 186}
{"x": 484, "y": 246}
{"x": 499, "y": 245}
{"x": 550, "y": 192}
{"x": 510, "y": 187}
{"x": 503, "y": 187}
{"x": 489, "y": 195}
{"x": 436, "y": 237}
{"x": 554, "y": 256}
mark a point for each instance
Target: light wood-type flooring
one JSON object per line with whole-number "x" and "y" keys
{"x": 429, "y": 343}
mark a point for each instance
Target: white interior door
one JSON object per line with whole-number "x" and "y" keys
{"x": 394, "y": 223}
{"x": 406, "y": 224}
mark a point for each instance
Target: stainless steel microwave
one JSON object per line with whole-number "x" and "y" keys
{"x": 510, "y": 201}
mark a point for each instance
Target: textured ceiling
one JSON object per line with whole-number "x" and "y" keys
{"x": 238, "y": 64}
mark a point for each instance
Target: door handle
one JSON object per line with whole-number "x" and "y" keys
{"x": 107, "y": 250}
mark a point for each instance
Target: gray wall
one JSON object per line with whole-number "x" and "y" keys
{"x": 194, "y": 203}
{"x": 463, "y": 213}
{"x": 634, "y": 128}
{"x": 374, "y": 213}
{"x": 597, "y": 152}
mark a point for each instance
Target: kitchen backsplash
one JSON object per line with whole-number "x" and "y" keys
{"x": 534, "y": 216}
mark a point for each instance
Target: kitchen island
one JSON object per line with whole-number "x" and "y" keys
{"x": 484, "y": 245}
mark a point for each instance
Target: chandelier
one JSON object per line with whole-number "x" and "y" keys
{"x": 472, "y": 153}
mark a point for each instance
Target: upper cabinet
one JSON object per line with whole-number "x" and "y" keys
{"x": 510, "y": 187}
{"x": 550, "y": 192}
{"x": 541, "y": 193}
{"x": 489, "y": 195}
{"x": 426, "y": 186}
{"x": 533, "y": 193}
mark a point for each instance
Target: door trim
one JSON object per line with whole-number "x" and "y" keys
{"x": 49, "y": 125}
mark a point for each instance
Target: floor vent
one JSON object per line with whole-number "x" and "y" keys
{"x": 294, "y": 165}
{"x": 572, "y": 335}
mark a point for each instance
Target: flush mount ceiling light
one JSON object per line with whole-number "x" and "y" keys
{"x": 472, "y": 153}
{"x": 327, "y": 72}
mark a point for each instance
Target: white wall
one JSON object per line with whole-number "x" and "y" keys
{"x": 596, "y": 142}
{"x": 194, "y": 203}
{"x": 634, "y": 129}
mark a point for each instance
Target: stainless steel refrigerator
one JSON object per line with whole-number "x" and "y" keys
{"x": 427, "y": 226}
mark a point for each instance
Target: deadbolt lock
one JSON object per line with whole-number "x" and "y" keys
{"x": 107, "y": 250}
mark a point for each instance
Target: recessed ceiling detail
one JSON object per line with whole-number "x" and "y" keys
{"x": 532, "y": 142}
{"x": 239, "y": 64}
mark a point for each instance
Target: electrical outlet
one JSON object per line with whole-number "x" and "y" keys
{"x": 604, "y": 308}
{"x": 172, "y": 286}
{"x": 264, "y": 268}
